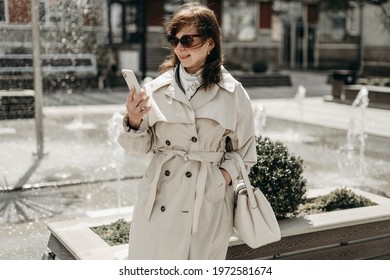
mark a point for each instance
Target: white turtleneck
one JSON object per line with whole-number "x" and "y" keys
{"x": 190, "y": 82}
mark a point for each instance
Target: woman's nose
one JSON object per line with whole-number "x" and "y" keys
{"x": 179, "y": 46}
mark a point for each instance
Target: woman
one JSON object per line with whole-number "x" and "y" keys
{"x": 193, "y": 114}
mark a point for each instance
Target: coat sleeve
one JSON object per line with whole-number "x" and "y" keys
{"x": 136, "y": 141}
{"x": 243, "y": 137}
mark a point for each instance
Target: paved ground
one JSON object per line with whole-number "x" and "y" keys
{"x": 81, "y": 155}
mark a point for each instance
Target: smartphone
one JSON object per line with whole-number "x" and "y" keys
{"x": 131, "y": 80}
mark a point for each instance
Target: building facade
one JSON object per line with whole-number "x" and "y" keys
{"x": 129, "y": 33}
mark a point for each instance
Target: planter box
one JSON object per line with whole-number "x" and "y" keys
{"x": 359, "y": 233}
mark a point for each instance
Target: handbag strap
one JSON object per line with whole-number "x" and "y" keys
{"x": 244, "y": 174}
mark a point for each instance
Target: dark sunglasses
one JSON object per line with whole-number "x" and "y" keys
{"x": 186, "y": 41}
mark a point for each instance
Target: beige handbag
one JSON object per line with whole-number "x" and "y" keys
{"x": 254, "y": 219}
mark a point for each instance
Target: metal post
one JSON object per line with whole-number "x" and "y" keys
{"x": 143, "y": 40}
{"x": 293, "y": 43}
{"x": 37, "y": 77}
{"x": 361, "y": 38}
{"x": 305, "y": 39}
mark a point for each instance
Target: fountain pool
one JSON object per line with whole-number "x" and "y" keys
{"x": 84, "y": 174}
{"x": 324, "y": 154}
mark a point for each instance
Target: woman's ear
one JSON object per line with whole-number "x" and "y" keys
{"x": 210, "y": 45}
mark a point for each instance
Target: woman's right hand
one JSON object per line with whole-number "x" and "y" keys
{"x": 137, "y": 107}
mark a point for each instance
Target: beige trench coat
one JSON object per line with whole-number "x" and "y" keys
{"x": 184, "y": 209}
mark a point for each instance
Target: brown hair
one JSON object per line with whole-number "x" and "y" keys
{"x": 195, "y": 14}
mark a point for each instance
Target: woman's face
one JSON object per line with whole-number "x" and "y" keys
{"x": 193, "y": 58}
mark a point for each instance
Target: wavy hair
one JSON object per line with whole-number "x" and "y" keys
{"x": 204, "y": 19}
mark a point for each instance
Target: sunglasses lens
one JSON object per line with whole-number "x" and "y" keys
{"x": 173, "y": 41}
{"x": 186, "y": 41}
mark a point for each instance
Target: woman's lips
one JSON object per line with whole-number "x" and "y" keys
{"x": 183, "y": 57}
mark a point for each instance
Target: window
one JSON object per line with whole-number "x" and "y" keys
{"x": 239, "y": 20}
{"x": 42, "y": 12}
{"x": 265, "y": 15}
{"x": 19, "y": 11}
{"x": 126, "y": 22}
{"x": 116, "y": 22}
{"x": 333, "y": 25}
{"x": 2, "y": 10}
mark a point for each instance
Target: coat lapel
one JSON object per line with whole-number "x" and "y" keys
{"x": 174, "y": 92}
{"x": 202, "y": 97}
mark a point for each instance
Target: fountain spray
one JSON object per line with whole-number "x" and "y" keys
{"x": 259, "y": 116}
{"x": 356, "y": 137}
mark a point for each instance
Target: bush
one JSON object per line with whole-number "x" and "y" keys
{"x": 344, "y": 199}
{"x": 279, "y": 176}
{"x": 338, "y": 199}
{"x": 115, "y": 233}
{"x": 259, "y": 67}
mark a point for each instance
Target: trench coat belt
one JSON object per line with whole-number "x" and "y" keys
{"x": 203, "y": 158}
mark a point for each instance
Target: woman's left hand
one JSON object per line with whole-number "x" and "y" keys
{"x": 227, "y": 177}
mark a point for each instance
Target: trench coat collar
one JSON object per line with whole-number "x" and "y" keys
{"x": 228, "y": 83}
{"x": 173, "y": 90}
{"x": 202, "y": 97}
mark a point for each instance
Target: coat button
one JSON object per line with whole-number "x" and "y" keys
{"x": 162, "y": 208}
{"x": 167, "y": 172}
{"x": 194, "y": 139}
{"x": 188, "y": 174}
{"x": 168, "y": 142}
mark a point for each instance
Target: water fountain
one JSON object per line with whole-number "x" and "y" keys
{"x": 352, "y": 156}
{"x": 114, "y": 125}
{"x": 361, "y": 161}
{"x": 78, "y": 122}
{"x": 300, "y": 97}
{"x": 291, "y": 133}
{"x": 260, "y": 117}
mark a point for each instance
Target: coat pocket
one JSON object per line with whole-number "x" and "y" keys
{"x": 215, "y": 190}
{"x": 145, "y": 185}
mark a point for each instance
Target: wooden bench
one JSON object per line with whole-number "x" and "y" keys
{"x": 379, "y": 96}
{"x": 264, "y": 80}
{"x": 376, "y": 69}
{"x": 17, "y": 104}
{"x": 16, "y": 70}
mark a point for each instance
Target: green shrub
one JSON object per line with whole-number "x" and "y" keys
{"x": 115, "y": 233}
{"x": 279, "y": 176}
{"x": 343, "y": 198}
{"x": 338, "y": 199}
